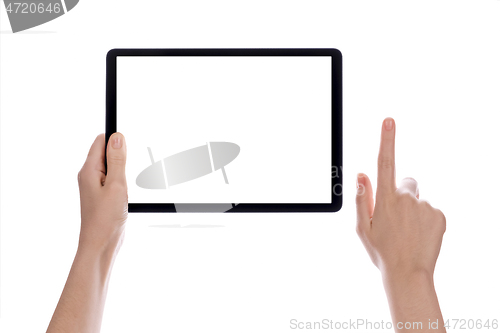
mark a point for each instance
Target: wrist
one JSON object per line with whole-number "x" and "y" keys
{"x": 412, "y": 298}
{"x": 105, "y": 248}
{"x": 402, "y": 273}
{"x": 98, "y": 260}
{"x": 417, "y": 278}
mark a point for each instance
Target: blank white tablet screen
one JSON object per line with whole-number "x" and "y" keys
{"x": 276, "y": 109}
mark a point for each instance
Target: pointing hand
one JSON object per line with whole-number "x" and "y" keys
{"x": 402, "y": 235}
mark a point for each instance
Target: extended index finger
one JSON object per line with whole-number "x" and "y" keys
{"x": 386, "y": 181}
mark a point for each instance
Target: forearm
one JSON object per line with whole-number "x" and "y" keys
{"x": 82, "y": 301}
{"x": 413, "y": 300}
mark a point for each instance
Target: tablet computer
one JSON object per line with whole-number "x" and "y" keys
{"x": 228, "y": 130}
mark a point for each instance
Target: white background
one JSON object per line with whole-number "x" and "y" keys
{"x": 432, "y": 65}
{"x": 268, "y": 106}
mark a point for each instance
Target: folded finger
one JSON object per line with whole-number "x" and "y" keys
{"x": 409, "y": 185}
{"x": 93, "y": 169}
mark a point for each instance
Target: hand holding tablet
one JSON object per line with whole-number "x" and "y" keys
{"x": 103, "y": 201}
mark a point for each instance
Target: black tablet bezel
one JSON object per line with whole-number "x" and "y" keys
{"x": 336, "y": 179}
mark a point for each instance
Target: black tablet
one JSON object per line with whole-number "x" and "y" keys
{"x": 228, "y": 130}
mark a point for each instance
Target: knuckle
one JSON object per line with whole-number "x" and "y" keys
{"x": 410, "y": 180}
{"x": 117, "y": 187}
{"x": 116, "y": 160}
{"x": 441, "y": 218}
{"x": 82, "y": 174}
{"x": 385, "y": 162}
{"x": 359, "y": 230}
{"x": 424, "y": 203}
{"x": 407, "y": 197}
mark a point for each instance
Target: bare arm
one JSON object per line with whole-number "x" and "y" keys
{"x": 104, "y": 210}
{"x": 403, "y": 235}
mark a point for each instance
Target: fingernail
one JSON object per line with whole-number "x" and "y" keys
{"x": 388, "y": 123}
{"x": 117, "y": 142}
